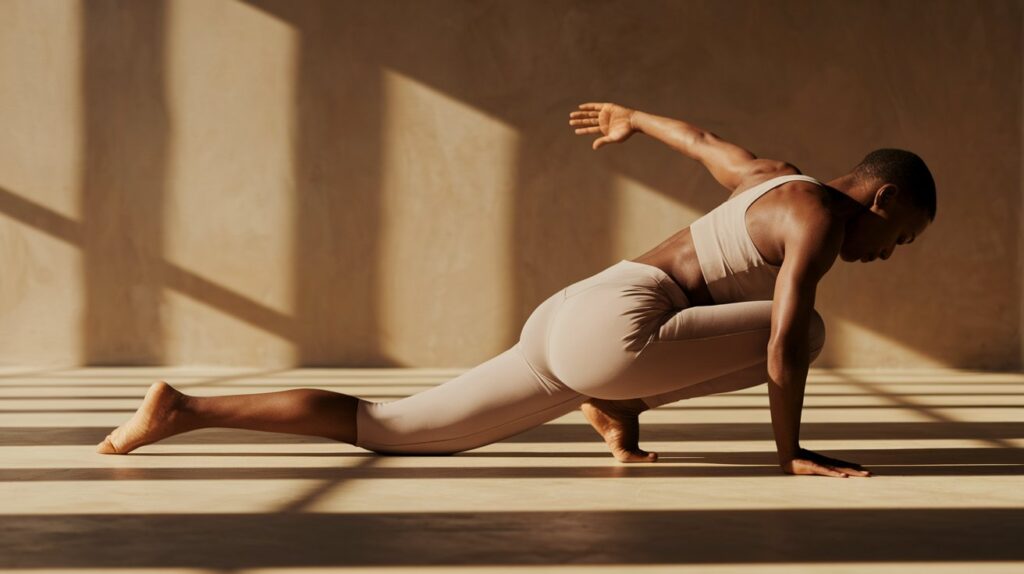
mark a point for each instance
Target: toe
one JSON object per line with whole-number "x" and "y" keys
{"x": 106, "y": 447}
{"x": 635, "y": 456}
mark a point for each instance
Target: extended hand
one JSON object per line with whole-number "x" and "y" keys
{"x": 807, "y": 462}
{"x": 612, "y": 120}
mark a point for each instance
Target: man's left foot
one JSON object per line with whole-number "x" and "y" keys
{"x": 157, "y": 418}
{"x": 618, "y": 423}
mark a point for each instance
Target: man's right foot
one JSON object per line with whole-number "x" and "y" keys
{"x": 618, "y": 423}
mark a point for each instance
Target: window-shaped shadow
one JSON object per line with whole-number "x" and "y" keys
{"x": 528, "y": 68}
{"x": 125, "y": 146}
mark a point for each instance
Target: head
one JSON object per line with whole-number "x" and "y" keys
{"x": 901, "y": 204}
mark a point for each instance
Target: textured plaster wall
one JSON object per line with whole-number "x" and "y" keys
{"x": 276, "y": 183}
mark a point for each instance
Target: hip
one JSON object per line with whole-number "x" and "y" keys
{"x": 612, "y": 314}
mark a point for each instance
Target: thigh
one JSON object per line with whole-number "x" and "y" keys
{"x": 733, "y": 381}
{"x": 492, "y": 401}
{"x": 741, "y": 379}
{"x": 693, "y": 345}
{"x": 712, "y": 349}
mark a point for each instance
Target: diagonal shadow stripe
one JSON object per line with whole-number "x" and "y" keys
{"x": 40, "y": 217}
{"x": 907, "y": 402}
{"x": 173, "y": 276}
{"x": 331, "y": 482}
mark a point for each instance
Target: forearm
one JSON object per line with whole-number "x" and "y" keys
{"x": 677, "y": 134}
{"x": 788, "y": 377}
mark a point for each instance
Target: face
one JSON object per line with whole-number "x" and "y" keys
{"x": 875, "y": 233}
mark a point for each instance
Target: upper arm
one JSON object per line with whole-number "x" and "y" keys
{"x": 811, "y": 248}
{"x": 731, "y": 164}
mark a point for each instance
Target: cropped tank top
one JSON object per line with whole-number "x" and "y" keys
{"x": 733, "y": 268}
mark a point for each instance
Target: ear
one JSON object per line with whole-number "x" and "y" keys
{"x": 885, "y": 197}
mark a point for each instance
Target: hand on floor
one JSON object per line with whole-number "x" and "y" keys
{"x": 809, "y": 462}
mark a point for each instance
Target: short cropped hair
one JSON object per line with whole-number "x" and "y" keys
{"x": 903, "y": 168}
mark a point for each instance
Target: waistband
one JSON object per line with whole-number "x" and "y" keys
{"x": 671, "y": 288}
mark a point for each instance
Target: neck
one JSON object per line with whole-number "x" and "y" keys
{"x": 856, "y": 196}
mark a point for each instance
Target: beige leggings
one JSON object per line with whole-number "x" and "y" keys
{"x": 625, "y": 332}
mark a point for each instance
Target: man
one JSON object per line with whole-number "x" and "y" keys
{"x": 887, "y": 199}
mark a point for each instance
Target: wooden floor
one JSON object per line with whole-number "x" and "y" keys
{"x": 945, "y": 446}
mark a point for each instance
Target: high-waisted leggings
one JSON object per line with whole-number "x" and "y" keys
{"x": 625, "y": 332}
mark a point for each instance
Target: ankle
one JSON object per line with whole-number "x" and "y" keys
{"x": 186, "y": 411}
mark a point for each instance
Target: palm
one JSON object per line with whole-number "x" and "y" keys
{"x": 610, "y": 120}
{"x": 614, "y": 124}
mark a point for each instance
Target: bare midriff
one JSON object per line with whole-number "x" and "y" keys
{"x": 678, "y": 259}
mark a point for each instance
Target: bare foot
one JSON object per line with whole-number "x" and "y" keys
{"x": 157, "y": 418}
{"x": 618, "y": 423}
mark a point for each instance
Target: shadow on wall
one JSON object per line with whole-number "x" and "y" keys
{"x": 528, "y": 68}
{"x": 123, "y": 180}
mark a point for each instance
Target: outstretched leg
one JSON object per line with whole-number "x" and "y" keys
{"x": 497, "y": 399}
{"x": 166, "y": 411}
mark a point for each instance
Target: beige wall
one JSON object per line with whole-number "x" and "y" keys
{"x": 276, "y": 183}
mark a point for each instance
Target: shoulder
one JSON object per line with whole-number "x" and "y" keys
{"x": 812, "y": 234}
{"x": 761, "y": 170}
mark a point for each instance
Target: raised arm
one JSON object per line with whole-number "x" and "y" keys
{"x": 728, "y": 163}
{"x": 811, "y": 246}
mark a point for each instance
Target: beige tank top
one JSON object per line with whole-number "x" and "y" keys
{"x": 733, "y": 268}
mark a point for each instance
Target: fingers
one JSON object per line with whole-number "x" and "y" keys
{"x": 588, "y": 119}
{"x": 601, "y": 141}
{"x": 811, "y": 467}
{"x": 844, "y": 472}
{"x": 583, "y": 119}
{"x": 592, "y": 106}
{"x": 827, "y": 470}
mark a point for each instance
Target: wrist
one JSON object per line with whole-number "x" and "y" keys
{"x": 788, "y": 453}
{"x": 634, "y": 119}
